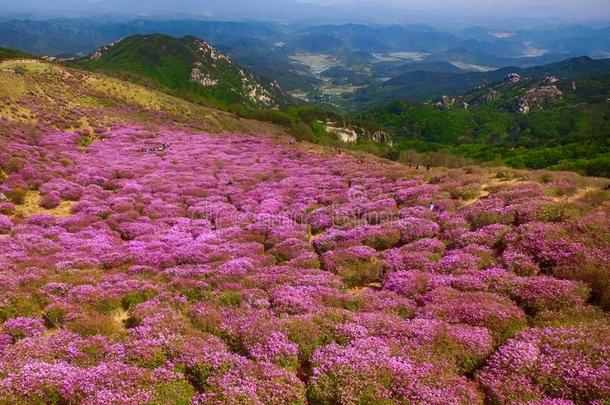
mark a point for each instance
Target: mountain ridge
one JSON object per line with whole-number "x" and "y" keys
{"x": 425, "y": 85}
{"x": 188, "y": 67}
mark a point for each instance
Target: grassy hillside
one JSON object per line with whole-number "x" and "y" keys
{"x": 13, "y": 54}
{"x": 570, "y": 133}
{"x": 91, "y": 103}
{"x": 186, "y": 67}
{"x": 69, "y": 99}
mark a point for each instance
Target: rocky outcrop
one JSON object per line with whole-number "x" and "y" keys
{"x": 97, "y": 55}
{"x": 202, "y": 78}
{"x": 549, "y": 80}
{"x": 492, "y": 95}
{"x": 255, "y": 91}
{"x": 352, "y": 133}
{"x": 205, "y": 49}
{"x": 382, "y": 137}
{"x": 538, "y": 97}
{"x": 447, "y": 102}
{"x": 345, "y": 134}
{"x": 523, "y": 107}
{"x": 251, "y": 87}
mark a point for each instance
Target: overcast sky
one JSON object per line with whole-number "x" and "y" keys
{"x": 391, "y": 10}
{"x": 591, "y": 8}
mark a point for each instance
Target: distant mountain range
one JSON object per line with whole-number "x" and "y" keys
{"x": 421, "y": 85}
{"x": 188, "y": 67}
{"x": 296, "y": 54}
{"x": 573, "y": 82}
{"x": 73, "y": 36}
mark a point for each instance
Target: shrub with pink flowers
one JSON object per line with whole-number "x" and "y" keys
{"x": 366, "y": 371}
{"x": 19, "y": 328}
{"x": 277, "y": 350}
{"x": 536, "y": 294}
{"x": 5, "y": 224}
{"x": 250, "y": 383}
{"x": 493, "y": 311}
{"x": 50, "y": 200}
{"x": 551, "y": 364}
{"x": 356, "y": 265}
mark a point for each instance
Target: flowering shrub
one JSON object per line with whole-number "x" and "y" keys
{"x": 537, "y": 294}
{"x": 5, "y": 224}
{"x": 421, "y": 255}
{"x": 356, "y": 265}
{"x": 19, "y": 328}
{"x": 498, "y": 314}
{"x": 417, "y": 228}
{"x": 382, "y": 237}
{"x": 50, "y": 200}
{"x": 548, "y": 244}
{"x": 366, "y": 371}
{"x": 250, "y": 383}
{"x": 104, "y": 384}
{"x": 277, "y": 350}
{"x": 551, "y": 363}
{"x": 7, "y": 208}
{"x": 520, "y": 263}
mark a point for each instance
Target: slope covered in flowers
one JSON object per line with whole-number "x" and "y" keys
{"x": 240, "y": 269}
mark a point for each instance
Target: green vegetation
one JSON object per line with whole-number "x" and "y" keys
{"x": 305, "y": 123}
{"x": 574, "y": 138}
{"x": 14, "y": 54}
{"x": 186, "y": 67}
{"x": 570, "y": 133}
{"x": 567, "y": 138}
{"x": 422, "y": 85}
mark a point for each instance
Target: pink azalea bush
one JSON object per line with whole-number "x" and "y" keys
{"x": 366, "y": 371}
{"x": 498, "y": 314}
{"x": 551, "y": 364}
{"x": 355, "y": 265}
{"x": 20, "y": 328}
{"x": 50, "y": 200}
{"x": 5, "y": 224}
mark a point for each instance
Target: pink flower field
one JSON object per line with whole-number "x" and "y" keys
{"x": 241, "y": 269}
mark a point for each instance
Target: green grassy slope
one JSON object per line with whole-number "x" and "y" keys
{"x": 95, "y": 103}
{"x": 6, "y": 53}
{"x": 168, "y": 63}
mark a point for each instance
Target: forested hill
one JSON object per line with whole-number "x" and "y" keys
{"x": 187, "y": 67}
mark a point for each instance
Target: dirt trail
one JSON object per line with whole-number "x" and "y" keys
{"x": 31, "y": 206}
